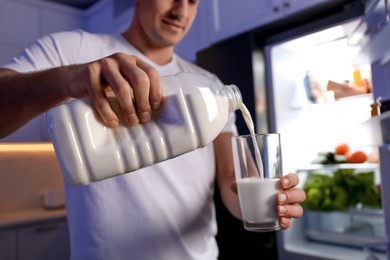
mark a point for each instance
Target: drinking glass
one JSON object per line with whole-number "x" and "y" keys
{"x": 258, "y": 170}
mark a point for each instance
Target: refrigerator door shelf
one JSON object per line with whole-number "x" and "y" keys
{"x": 376, "y": 49}
{"x": 372, "y": 34}
{"x": 354, "y": 228}
{"x": 372, "y": 128}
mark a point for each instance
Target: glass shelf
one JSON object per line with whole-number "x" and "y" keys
{"x": 350, "y": 228}
{"x": 357, "y": 166}
{"x": 378, "y": 128}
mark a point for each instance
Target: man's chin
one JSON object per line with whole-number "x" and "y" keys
{"x": 170, "y": 42}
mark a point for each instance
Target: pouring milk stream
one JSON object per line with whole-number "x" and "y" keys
{"x": 249, "y": 122}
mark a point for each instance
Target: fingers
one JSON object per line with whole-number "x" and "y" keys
{"x": 288, "y": 201}
{"x": 290, "y": 211}
{"x": 233, "y": 187}
{"x": 291, "y": 196}
{"x": 289, "y": 181}
{"x": 155, "y": 93}
{"x": 115, "y": 72}
{"x": 136, "y": 86}
{"x": 99, "y": 99}
{"x": 286, "y": 212}
{"x": 284, "y": 223}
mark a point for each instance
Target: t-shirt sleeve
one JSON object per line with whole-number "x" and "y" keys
{"x": 53, "y": 50}
{"x": 40, "y": 55}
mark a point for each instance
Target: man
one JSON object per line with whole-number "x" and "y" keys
{"x": 160, "y": 212}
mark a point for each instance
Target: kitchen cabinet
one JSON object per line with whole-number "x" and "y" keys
{"x": 36, "y": 241}
{"x": 16, "y": 31}
{"x": 39, "y": 18}
{"x": 7, "y": 244}
{"x": 230, "y": 17}
{"x": 8, "y": 51}
{"x": 34, "y": 131}
{"x": 46, "y": 241}
{"x": 289, "y": 7}
{"x": 101, "y": 18}
{"x": 60, "y": 19}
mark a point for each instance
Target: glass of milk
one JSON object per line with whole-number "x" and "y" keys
{"x": 258, "y": 169}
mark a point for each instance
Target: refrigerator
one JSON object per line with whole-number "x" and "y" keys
{"x": 317, "y": 79}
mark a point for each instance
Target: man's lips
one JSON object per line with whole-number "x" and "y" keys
{"x": 174, "y": 24}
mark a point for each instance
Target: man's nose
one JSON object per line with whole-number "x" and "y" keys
{"x": 180, "y": 8}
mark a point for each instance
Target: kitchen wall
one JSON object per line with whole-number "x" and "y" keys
{"x": 27, "y": 173}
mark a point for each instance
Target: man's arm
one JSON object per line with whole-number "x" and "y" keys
{"x": 135, "y": 83}
{"x": 24, "y": 96}
{"x": 225, "y": 173}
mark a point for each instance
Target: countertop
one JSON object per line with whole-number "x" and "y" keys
{"x": 22, "y": 217}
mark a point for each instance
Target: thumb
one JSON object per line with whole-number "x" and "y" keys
{"x": 233, "y": 187}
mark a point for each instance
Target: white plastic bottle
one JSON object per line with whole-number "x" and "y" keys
{"x": 194, "y": 111}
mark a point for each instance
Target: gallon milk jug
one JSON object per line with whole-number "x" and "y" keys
{"x": 193, "y": 113}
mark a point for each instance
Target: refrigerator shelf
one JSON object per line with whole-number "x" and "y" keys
{"x": 378, "y": 128}
{"x": 331, "y": 167}
{"x": 354, "y": 227}
{"x": 343, "y": 239}
{"x": 365, "y": 212}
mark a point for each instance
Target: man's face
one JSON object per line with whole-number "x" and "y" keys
{"x": 165, "y": 22}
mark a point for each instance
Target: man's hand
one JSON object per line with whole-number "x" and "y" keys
{"x": 288, "y": 200}
{"x": 135, "y": 84}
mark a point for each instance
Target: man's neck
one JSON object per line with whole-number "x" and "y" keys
{"x": 157, "y": 54}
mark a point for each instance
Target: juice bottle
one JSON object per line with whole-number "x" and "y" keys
{"x": 194, "y": 111}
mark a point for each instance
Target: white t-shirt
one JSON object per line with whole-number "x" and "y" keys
{"x": 164, "y": 211}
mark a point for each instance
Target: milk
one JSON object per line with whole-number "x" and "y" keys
{"x": 194, "y": 111}
{"x": 251, "y": 126}
{"x": 258, "y": 200}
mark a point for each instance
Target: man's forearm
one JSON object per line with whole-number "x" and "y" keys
{"x": 26, "y": 95}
